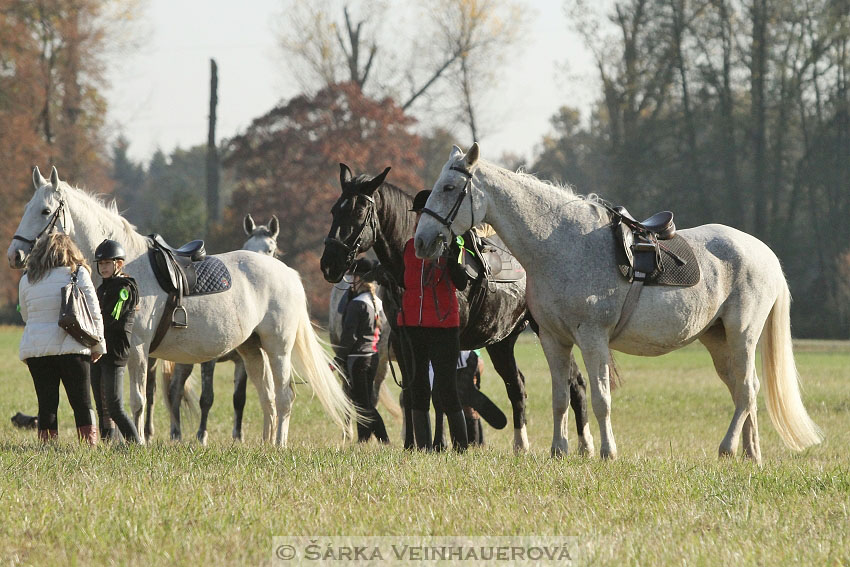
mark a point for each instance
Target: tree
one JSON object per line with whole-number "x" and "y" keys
{"x": 51, "y": 103}
{"x": 286, "y": 163}
{"x": 467, "y": 41}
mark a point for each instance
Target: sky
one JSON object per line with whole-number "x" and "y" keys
{"x": 159, "y": 92}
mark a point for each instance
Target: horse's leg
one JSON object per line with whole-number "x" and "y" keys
{"x": 207, "y": 396}
{"x": 714, "y": 341}
{"x": 578, "y": 401}
{"x": 558, "y": 357}
{"x": 151, "y": 397}
{"x": 240, "y": 383}
{"x": 380, "y": 376}
{"x": 504, "y": 363}
{"x": 179, "y": 376}
{"x": 137, "y": 367}
{"x": 255, "y": 366}
{"x": 596, "y": 358}
{"x": 404, "y": 353}
{"x": 281, "y": 370}
{"x": 736, "y": 367}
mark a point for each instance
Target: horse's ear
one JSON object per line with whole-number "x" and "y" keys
{"x": 377, "y": 181}
{"x": 345, "y": 175}
{"x": 472, "y": 155}
{"x": 37, "y": 179}
{"x": 249, "y": 224}
{"x": 456, "y": 151}
{"x": 274, "y": 227}
{"x": 54, "y": 179}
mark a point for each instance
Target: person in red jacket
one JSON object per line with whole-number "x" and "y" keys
{"x": 429, "y": 316}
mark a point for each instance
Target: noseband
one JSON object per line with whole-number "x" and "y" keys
{"x": 51, "y": 224}
{"x": 351, "y": 250}
{"x": 452, "y": 214}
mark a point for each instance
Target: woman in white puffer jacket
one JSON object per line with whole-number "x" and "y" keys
{"x": 50, "y": 353}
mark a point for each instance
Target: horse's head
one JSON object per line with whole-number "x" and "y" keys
{"x": 46, "y": 211}
{"x": 455, "y": 204}
{"x": 261, "y": 238}
{"x": 354, "y": 222}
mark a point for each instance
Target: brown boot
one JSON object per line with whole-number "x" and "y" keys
{"x": 88, "y": 433}
{"x": 48, "y": 435}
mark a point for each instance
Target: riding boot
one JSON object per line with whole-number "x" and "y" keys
{"x": 88, "y": 433}
{"x": 457, "y": 429}
{"x": 422, "y": 429}
{"x": 473, "y": 426}
{"x": 48, "y": 435}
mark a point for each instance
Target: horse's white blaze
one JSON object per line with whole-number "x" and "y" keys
{"x": 266, "y": 301}
{"x": 567, "y": 248}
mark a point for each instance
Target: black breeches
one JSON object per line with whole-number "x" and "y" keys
{"x": 361, "y": 373}
{"x": 73, "y": 371}
{"x": 108, "y": 387}
{"x": 440, "y": 347}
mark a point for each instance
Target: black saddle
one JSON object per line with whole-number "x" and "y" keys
{"x": 660, "y": 224}
{"x": 183, "y": 271}
{"x": 651, "y": 251}
{"x": 488, "y": 258}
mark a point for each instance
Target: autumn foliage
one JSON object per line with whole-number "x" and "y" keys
{"x": 287, "y": 163}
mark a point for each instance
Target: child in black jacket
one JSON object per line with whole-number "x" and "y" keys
{"x": 118, "y": 296}
{"x": 361, "y": 332}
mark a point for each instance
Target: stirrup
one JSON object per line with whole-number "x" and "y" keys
{"x": 175, "y": 322}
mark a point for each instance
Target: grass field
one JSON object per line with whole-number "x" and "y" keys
{"x": 668, "y": 500}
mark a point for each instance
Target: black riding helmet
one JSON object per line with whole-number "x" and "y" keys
{"x": 361, "y": 267}
{"x": 419, "y": 200}
{"x": 109, "y": 250}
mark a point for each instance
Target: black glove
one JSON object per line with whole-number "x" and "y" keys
{"x": 456, "y": 271}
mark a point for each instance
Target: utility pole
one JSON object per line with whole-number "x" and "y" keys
{"x": 212, "y": 152}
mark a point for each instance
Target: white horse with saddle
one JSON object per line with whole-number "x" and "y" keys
{"x": 262, "y": 313}
{"x": 577, "y": 295}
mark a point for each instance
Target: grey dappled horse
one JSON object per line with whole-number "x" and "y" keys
{"x": 741, "y": 298}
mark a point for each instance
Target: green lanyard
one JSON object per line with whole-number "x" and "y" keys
{"x": 123, "y": 296}
{"x": 460, "y": 243}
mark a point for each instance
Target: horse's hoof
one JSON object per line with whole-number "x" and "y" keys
{"x": 608, "y": 454}
{"x": 237, "y": 435}
{"x": 202, "y": 438}
{"x": 558, "y": 452}
{"x": 176, "y": 436}
{"x": 521, "y": 444}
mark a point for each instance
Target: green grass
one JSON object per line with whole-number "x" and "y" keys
{"x": 667, "y": 500}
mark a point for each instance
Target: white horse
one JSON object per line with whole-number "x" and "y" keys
{"x": 263, "y": 315}
{"x": 576, "y": 295}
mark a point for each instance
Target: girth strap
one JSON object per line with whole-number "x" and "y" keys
{"x": 629, "y": 304}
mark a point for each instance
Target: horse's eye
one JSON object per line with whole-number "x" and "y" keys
{"x": 448, "y": 188}
{"x": 45, "y": 212}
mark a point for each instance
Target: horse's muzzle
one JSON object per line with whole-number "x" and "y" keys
{"x": 17, "y": 259}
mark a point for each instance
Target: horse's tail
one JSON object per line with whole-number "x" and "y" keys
{"x": 386, "y": 397}
{"x": 313, "y": 364}
{"x": 191, "y": 401}
{"x": 784, "y": 403}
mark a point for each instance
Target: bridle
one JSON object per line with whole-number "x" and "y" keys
{"x": 353, "y": 249}
{"x": 51, "y": 224}
{"x": 452, "y": 214}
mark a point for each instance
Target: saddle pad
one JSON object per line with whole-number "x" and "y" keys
{"x": 213, "y": 277}
{"x": 670, "y": 273}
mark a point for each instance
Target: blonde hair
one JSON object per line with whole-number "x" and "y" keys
{"x": 53, "y": 250}
{"x": 372, "y": 287}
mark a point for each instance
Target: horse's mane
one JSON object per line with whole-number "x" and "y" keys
{"x": 105, "y": 207}
{"x": 562, "y": 190}
{"x": 396, "y": 199}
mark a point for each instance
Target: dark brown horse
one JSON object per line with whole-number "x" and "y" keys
{"x": 371, "y": 213}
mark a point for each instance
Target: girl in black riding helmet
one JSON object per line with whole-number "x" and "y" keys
{"x": 119, "y": 297}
